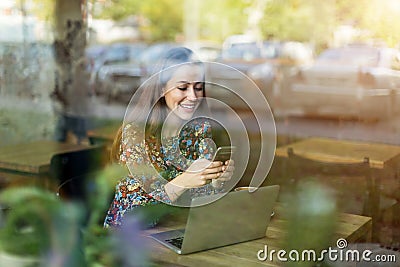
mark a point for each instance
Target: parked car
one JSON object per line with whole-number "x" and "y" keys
{"x": 265, "y": 63}
{"x": 228, "y": 80}
{"x": 120, "y": 81}
{"x": 94, "y": 53}
{"x": 352, "y": 81}
{"x": 281, "y": 59}
{"x": 115, "y": 54}
{"x": 205, "y": 51}
{"x": 241, "y": 55}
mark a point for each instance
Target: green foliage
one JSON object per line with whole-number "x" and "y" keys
{"x": 312, "y": 219}
{"x": 302, "y": 20}
{"x": 41, "y": 225}
{"x": 38, "y": 223}
{"x": 44, "y": 9}
{"x": 315, "y": 21}
{"x": 120, "y": 9}
{"x": 24, "y": 229}
{"x": 381, "y": 18}
{"x": 162, "y": 20}
{"x": 99, "y": 200}
{"x": 165, "y": 19}
{"x": 103, "y": 246}
{"x": 219, "y": 19}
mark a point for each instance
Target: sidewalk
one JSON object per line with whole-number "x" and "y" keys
{"x": 294, "y": 126}
{"x": 98, "y": 109}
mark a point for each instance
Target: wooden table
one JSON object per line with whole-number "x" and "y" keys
{"x": 381, "y": 156}
{"x": 30, "y": 162}
{"x": 353, "y": 228}
{"x": 384, "y": 160}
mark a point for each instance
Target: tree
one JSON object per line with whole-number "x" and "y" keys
{"x": 288, "y": 20}
{"x": 43, "y": 9}
{"x": 69, "y": 39}
{"x": 302, "y": 20}
{"x": 120, "y": 9}
{"x": 164, "y": 19}
{"x": 306, "y": 21}
{"x": 161, "y": 20}
{"x": 219, "y": 19}
{"x": 69, "y": 47}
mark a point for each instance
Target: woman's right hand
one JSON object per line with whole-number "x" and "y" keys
{"x": 200, "y": 173}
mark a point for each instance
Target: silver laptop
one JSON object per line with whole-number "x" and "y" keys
{"x": 237, "y": 217}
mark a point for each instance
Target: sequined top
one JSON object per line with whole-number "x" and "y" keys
{"x": 152, "y": 165}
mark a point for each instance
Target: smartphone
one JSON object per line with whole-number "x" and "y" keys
{"x": 224, "y": 153}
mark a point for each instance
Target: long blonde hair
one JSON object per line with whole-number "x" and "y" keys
{"x": 155, "y": 115}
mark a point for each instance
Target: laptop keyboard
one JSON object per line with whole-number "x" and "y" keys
{"x": 177, "y": 241}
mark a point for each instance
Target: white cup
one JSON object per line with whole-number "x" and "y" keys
{"x": 247, "y": 188}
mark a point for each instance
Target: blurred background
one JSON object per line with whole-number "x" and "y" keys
{"x": 327, "y": 69}
{"x": 313, "y": 60}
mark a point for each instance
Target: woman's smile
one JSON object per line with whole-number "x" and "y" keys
{"x": 184, "y": 91}
{"x": 188, "y": 106}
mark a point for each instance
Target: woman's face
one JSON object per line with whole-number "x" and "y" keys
{"x": 183, "y": 92}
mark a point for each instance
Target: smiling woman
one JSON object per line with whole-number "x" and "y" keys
{"x": 182, "y": 96}
{"x": 166, "y": 140}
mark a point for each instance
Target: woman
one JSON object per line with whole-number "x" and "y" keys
{"x": 167, "y": 146}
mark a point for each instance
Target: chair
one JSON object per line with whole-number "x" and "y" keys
{"x": 370, "y": 202}
{"x": 342, "y": 177}
{"x": 76, "y": 170}
{"x": 390, "y": 193}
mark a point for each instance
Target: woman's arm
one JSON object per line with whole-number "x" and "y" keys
{"x": 135, "y": 155}
{"x": 200, "y": 173}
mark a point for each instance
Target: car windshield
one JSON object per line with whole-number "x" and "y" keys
{"x": 245, "y": 51}
{"x": 116, "y": 53}
{"x": 135, "y": 53}
{"x": 270, "y": 50}
{"x": 354, "y": 56}
{"x": 153, "y": 53}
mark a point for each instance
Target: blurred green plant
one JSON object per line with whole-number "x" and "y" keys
{"x": 118, "y": 246}
{"x": 39, "y": 224}
{"x": 312, "y": 218}
{"x": 59, "y": 233}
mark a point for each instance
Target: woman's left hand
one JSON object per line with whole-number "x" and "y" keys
{"x": 227, "y": 171}
{"x": 226, "y": 174}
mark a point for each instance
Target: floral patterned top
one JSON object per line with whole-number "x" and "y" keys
{"x": 152, "y": 166}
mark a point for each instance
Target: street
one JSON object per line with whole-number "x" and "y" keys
{"x": 385, "y": 131}
{"x": 298, "y": 126}
{"x": 288, "y": 126}
{"x": 292, "y": 126}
